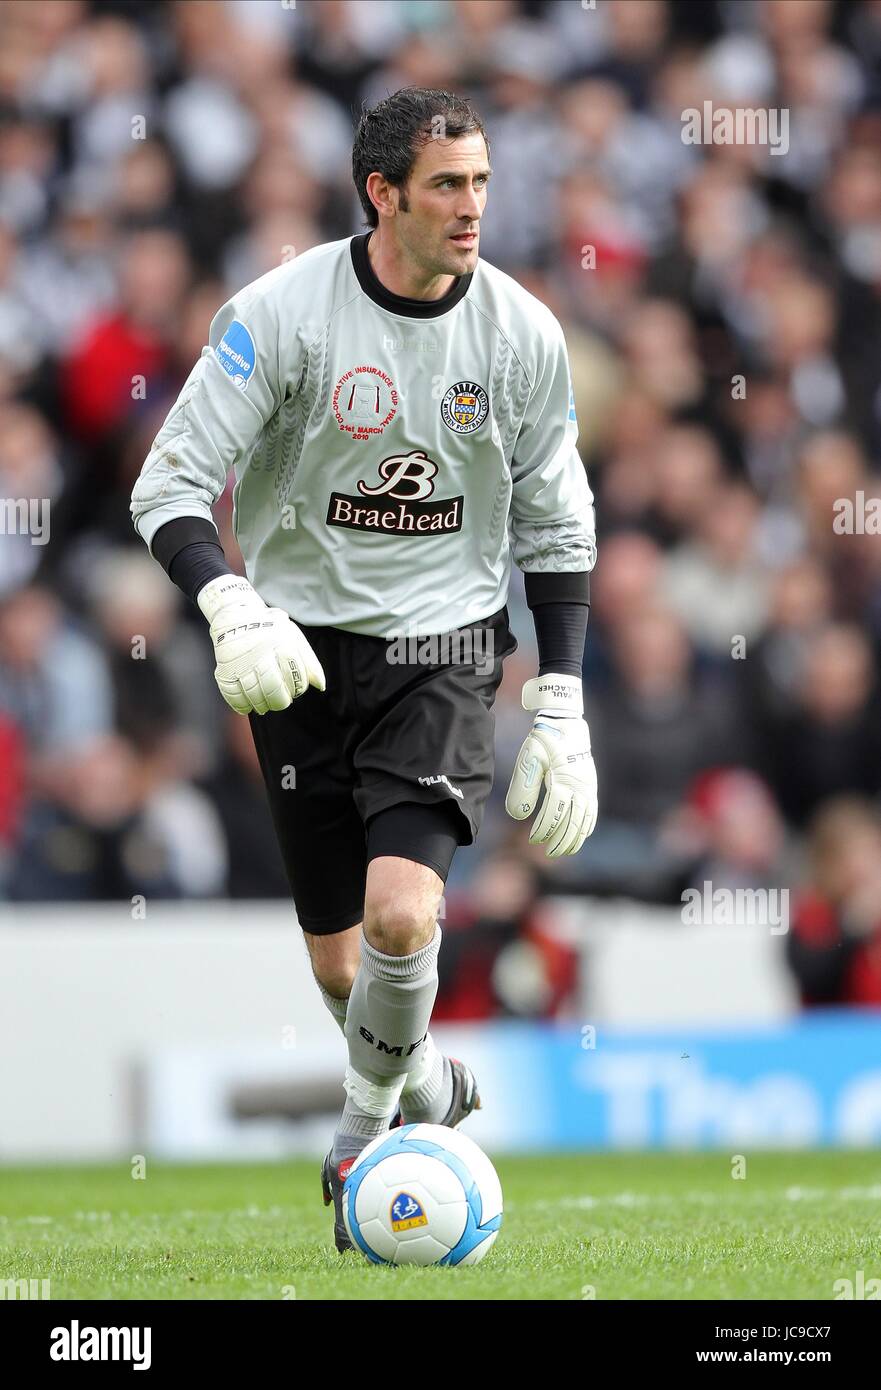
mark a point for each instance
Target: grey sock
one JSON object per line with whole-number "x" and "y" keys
{"x": 355, "y": 1132}
{"x": 430, "y": 1101}
{"x": 388, "y": 1014}
{"x": 386, "y": 1027}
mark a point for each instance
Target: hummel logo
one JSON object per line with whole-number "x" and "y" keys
{"x": 441, "y": 777}
{"x": 409, "y": 344}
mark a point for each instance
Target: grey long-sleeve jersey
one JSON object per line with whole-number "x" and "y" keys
{"x": 390, "y": 455}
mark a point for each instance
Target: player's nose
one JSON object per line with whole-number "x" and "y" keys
{"x": 471, "y": 207}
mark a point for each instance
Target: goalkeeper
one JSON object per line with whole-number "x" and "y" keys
{"x": 399, "y": 417}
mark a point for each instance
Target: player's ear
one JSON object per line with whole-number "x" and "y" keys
{"x": 381, "y": 194}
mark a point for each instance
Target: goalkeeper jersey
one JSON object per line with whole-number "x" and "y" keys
{"x": 390, "y": 455}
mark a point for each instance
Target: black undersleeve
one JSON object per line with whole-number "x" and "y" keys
{"x": 560, "y": 631}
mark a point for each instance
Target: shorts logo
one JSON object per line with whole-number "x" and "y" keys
{"x": 408, "y": 479}
{"x": 464, "y": 407}
{"x": 364, "y": 401}
{"x": 407, "y": 1213}
{"x": 236, "y": 354}
{"x": 437, "y": 780}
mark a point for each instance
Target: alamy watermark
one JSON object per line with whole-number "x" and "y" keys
{"x": 736, "y": 125}
{"x": 857, "y": 516}
{"x": 462, "y": 647}
{"x": 25, "y": 516}
{"x": 12, "y": 1289}
{"x": 736, "y": 907}
{"x": 859, "y": 1288}
{"x": 76, "y": 1343}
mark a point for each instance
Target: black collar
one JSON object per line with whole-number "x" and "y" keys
{"x": 397, "y": 303}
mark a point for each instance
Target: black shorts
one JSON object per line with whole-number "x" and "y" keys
{"x": 398, "y": 723}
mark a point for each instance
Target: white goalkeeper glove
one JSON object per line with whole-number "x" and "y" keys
{"x": 263, "y": 660}
{"x": 556, "y": 754}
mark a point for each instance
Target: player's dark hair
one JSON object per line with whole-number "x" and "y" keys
{"x": 391, "y": 134}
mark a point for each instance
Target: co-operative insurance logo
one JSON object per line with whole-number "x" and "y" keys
{"x": 236, "y": 354}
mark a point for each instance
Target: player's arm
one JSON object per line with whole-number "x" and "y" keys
{"x": 263, "y": 659}
{"x": 554, "y": 542}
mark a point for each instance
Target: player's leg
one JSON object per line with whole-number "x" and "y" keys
{"x": 429, "y": 836}
{"x": 437, "y": 1090}
{"x": 305, "y": 758}
{"x": 427, "y": 759}
{"x": 335, "y": 960}
{"x": 391, "y": 1053}
{"x": 392, "y": 995}
{"x": 388, "y": 1011}
{"x": 439, "y": 722}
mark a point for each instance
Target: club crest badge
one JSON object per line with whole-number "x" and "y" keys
{"x": 407, "y": 1212}
{"x": 464, "y": 407}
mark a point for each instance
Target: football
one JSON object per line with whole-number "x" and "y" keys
{"x": 423, "y": 1195}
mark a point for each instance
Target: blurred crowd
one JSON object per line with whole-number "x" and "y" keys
{"x": 722, "y": 306}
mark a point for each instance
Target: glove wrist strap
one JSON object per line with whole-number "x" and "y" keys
{"x": 554, "y": 695}
{"x": 225, "y": 589}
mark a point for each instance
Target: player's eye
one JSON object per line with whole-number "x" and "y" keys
{"x": 480, "y": 182}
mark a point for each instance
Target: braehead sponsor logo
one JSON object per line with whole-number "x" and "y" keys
{"x": 236, "y": 354}
{"x": 406, "y": 505}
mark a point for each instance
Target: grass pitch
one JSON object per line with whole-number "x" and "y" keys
{"x": 632, "y": 1226}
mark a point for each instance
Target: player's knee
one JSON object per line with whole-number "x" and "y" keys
{"x": 398, "y": 928}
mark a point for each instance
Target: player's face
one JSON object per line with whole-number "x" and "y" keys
{"x": 439, "y": 220}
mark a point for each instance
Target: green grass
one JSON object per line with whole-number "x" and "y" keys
{"x": 629, "y": 1225}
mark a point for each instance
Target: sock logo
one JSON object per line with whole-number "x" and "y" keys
{"x": 384, "y": 1046}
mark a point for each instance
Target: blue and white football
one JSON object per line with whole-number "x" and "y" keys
{"x": 422, "y": 1195}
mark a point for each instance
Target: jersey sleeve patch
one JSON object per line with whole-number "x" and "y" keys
{"x": 236, "y": 354}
